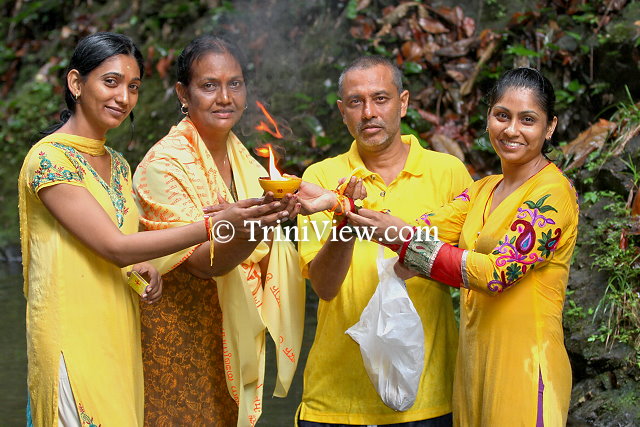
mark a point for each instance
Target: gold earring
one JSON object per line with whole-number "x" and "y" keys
{"x": 184, "y": 109}
{"x": 77, "y": 95}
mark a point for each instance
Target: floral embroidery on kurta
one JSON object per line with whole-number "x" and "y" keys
{"x": 517, "y": 251}
{"x": 49, "y": 172}
{"x": 464, "y": 195}
{"x": 85, "y": 419}
{"x": 119, "y": 172}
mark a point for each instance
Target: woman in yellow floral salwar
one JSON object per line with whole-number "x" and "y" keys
{"x": 515, "y": 234}
{"x": 78, "y": 224}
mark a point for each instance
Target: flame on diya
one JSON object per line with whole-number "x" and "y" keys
{"x": 276, "y": 183}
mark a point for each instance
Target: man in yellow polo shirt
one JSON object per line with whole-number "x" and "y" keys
{"x": 401, "y": 176}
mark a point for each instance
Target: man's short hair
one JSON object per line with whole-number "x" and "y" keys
{"x": 370, "y": 61}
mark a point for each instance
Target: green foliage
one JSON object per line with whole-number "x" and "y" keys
{"x": 566, "y": 96}
{"x": 619, "y": 309}
{"x": 495, "y": 9}
{"x": 519, "y": 50}
{"x": 627, "y": 117}
{"x": 573, "y": 311}
{"x": 30, "y": 110}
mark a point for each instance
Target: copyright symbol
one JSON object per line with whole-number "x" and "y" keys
{"x": 223, "y": 231}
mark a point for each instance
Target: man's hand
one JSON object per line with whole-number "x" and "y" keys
{"x": 386, "y": 228}
{"x": 354, "y": 188}
{"x": 403, "y": 272}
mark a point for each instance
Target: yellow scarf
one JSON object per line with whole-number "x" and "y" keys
{"x": 94, "y": 147}
{"x": 247, "y": 309}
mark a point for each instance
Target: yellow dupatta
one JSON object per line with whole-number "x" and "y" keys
{"x": 175, "y": 180}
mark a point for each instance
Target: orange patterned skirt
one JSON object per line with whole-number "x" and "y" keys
{"x": 184, "y": 379}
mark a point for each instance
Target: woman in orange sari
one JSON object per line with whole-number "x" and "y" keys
{"x": 209, "y": 328}
{"x": 515, "y": 234}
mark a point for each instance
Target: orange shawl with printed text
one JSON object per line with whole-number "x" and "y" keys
{"x": 175, "y": 180}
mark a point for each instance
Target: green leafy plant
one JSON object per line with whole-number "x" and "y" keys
{"x": 618, "y": 312}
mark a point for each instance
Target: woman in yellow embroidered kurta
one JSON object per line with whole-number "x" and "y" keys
{"x": 78, "y": 224}
{"x": 210, "y": 325}
{"x": 516, "y": 234}
{"x": 86, "y": 297}
{"x": 511, "y": 340}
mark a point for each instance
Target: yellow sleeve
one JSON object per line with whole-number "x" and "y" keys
{"x": 538, "y": 229}
{"x": 449, "y": 218}
{"x": 314, "y": 230}
{"x": 49, "y": 165}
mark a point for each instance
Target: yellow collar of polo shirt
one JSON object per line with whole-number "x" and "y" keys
{"x": 415, "y": 164}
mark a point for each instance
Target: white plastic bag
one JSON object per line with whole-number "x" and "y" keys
{"x": 391, "y": 339}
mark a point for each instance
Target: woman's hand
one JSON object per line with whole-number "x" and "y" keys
{"x": 244, "y": 216}
{"x": 387, "y": 228}
{"x": 153, "y": 291}
{"x": 313, "y": 198}
{"x": 403, "y": 272}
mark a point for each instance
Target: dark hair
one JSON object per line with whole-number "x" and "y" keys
{"x": 527, "y": 78}
{"x": 202, "y": 45}
{"x": 370, "y": 61}
{"x": 89, "y": 54}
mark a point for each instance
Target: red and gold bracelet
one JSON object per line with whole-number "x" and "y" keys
{"x": 207, "y": 226}
{"x": 348, "y": 205}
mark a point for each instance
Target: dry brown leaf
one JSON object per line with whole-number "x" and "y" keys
{"x": 456, "y": 75}
{"x": 362, "y": 4}
{"x": 635, "y": 206}
{"x": 447, "y": 14}
{"x": 164, "y": 65}
{"x": 364, "y": 28}
{"x": 66, "y": 32}
{"x": 431, "y": 47}
{"x": 469, "y": 26}
{"x": 386, "y": 29}
{"x": 587, "y": 142}
{"x": 468, "y": 85}
{"x": 459, "y": 48}
{"x": 411, "y": 51}
{"x": 616, "y": 5}
{"x": 398, "y": 13}
{"x": 624, "y": 137}
{"x": 459, "y": 14}
{"x": 43, "y": 73}
{"x": 624, "y": 242}
{"x": 432, "y": 26}
{"x": 430, "y": 117}
{"x": 444, "y": 144}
